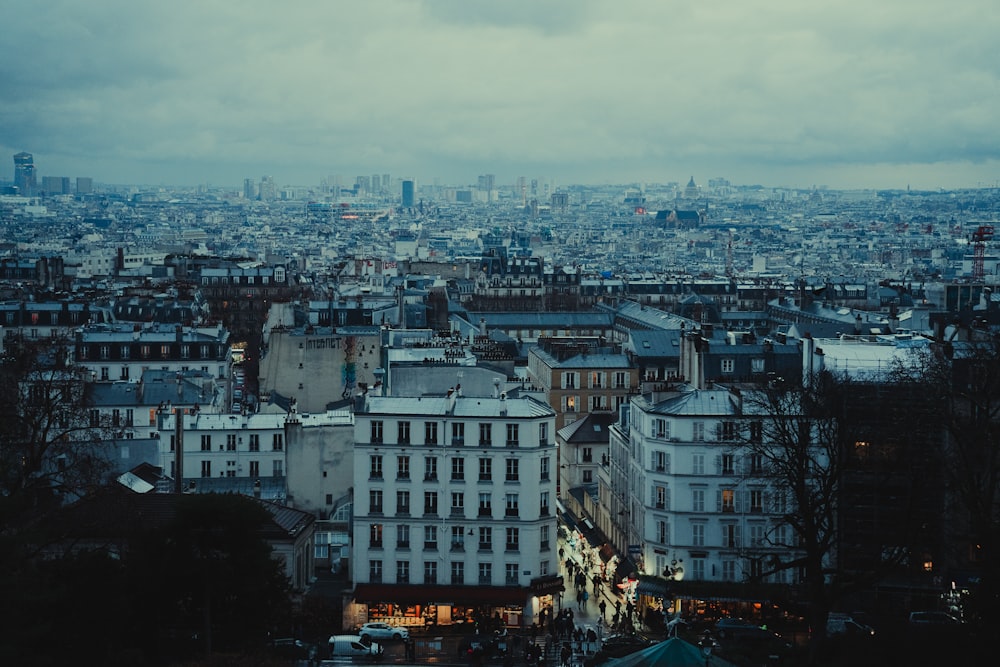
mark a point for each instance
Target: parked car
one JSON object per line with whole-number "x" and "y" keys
{"x": 354, "y": 647}
{"x": 845, "y": 625}
{"x": 934, "y": 618}
{"x": 746, "y": 633}
{"x": 378, "y": 630}
{"x": 292, "y": 648}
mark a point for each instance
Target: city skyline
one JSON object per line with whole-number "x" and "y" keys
{"x": 858, "y": 96}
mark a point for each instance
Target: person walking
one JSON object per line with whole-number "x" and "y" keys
{"x": 603, "y": 607}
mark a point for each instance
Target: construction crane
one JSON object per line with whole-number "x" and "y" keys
{"x": 979, "y": 238}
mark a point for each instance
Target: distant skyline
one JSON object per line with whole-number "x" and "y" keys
{"x": 857, "y": 94}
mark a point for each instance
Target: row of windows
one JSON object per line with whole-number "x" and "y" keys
{"x": 727, "y": 500}
{"x": 146, "y": 351}
{"x": 483, "y": 536}
{"x": 233, "y": 440}
{"x": 595, "y": 403}
{"x": 376, "y": 503}
{"x": 431, "y": 433}
{"x": 232, "y": 469}
{"x": 727, "y": 431}
{"x": 457, "y": 571}
{"x": 730, "y": 536}
{"x": 725, "y": 464}
{"x": 512, "y": 468}
{"x": 596, "y": 380}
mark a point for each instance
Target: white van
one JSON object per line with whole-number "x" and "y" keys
{"x": 351, "y": 646}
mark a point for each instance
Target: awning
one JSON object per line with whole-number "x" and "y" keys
{"x": 654, "y": 587}
{"x": 607, "y": 553}
{"x": 429, "y": 594}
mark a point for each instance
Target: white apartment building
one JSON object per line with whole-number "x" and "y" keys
{"x": 454, "y": 509}
{"x": 680, "y": 489}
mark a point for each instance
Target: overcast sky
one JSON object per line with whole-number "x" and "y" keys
{"x": 851, "y": 93}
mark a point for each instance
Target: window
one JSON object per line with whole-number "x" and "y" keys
{"x": 570, "y": 380}
{"x": 697, "y": 500}
{"x": 728, "y": 464}
{"x": 485, "y": 434}
{"x": 377, "y": 427}
{"x": 698, "y": 534}
{"x": 457, "y": 469}
{"x": 485, "y": 505}
{"x": 457, "y": 572}
{"x": 457, "y": 503}
{"x": 728, "y": 500}
{"x": 430, "y": 572}
{"x": 757, "y": 365}
{"x": 756, "y": 535}
{"x": 544, "y": 469}
{"x": 375, "y": 471}
{"x": 254, "y": 442}
{"x": 513, "y": 536}
{"x": 756, "y": 464}
{"x": 543, "y": 434}
{"x": 512, "y": 470}
{"x": 402, "y": 572}
{"x": 403, "y": 536}
{"x": 512, "y": 435}
{"x": 485, "y": 470}
{"x": 587, "y": 454}
{"x": 588, "y": 476}
{"x": 598, "y": 380}
{"x": 402, "y": 502}
{"x": 660, "y": 462}
{"x": 660, "y": 497}
{"x": 543, "y": 507}
{"x": 458, "y": 433}
{"x": 698, "y": 464}
{"x": 570, "y": 403}
{"x": 756, "y": 431}
{"x": 730, "y": 535}
{"x": 485, "y": 574}
{"x": 543, "y": 537}
{"x": 230, "y": 442}
{"x": 485, "y": 538}
{"x": 662, "y": 532}
{"x": 729, "y": 570}
{"x": 278, "y": 442}
{"x": 403, "y": 433}
{"x": 430, "y": 538}
{"x": 756, "y": 500}
{"x": 457, "y": 538}
{"x": 698, "y": 569}
{"x": 698, "y": 431}
{"x": 375, "y": 501}
{"x": 661, "y": 428}
{"x": 728, "y": 431}
{"x": 206, "y": 468}
{"x": 621, "y": 380}
{"x": 254, "y": 468}
{"x": 375, "y": 571}
{"x": 430, "y": 468}
{"x": 206, "y": 442}
{"x": 430, "y": 502}
{"x": 277, "y": 468}
{"x": 375, "y": 536}
{"x": 430, "y": 433}
{"x": 728, "y": 364}
{"x": 510, "y": 574}
{"x": 511, "y": 509}
{"x": 402, "y": 467}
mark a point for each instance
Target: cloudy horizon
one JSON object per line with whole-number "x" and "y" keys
{"x": 887, "y": 94}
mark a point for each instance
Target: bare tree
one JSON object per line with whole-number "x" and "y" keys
{"x": 48, "y": 437}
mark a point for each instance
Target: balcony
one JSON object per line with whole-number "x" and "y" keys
{"x": 458, "y": 546}
{"x": 486, "y": 512}
{"x": 430, "y": 546}
{"x": 375, "y": 544}
{"x": 485, "y": 443}
{"x": 486, "y": 546}
{"x": 458, "y": 442}
{"x": 511, "y": 513}
{"x": 403, "y": 545}
{"x": 513, "y": 444}
{"x": 431, "y": 478}
{"x": 511, "y": 546}
{"x": 457, "y": 511}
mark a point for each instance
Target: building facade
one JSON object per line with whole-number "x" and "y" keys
{"x": 454, "y": 510}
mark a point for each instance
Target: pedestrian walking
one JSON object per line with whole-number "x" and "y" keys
{"x": 603, "y": 607}
{"x": 586, "y": 596}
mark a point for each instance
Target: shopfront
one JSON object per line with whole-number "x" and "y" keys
{"x": 488, "y": 607}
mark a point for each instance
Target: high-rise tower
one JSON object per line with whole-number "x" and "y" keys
{"x": 408, "y": 194}
{"x": 24, "y": 173}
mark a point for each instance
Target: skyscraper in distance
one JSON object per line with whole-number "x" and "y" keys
{"x": 408, "y": 192}
{"x": 24, "y": 173}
